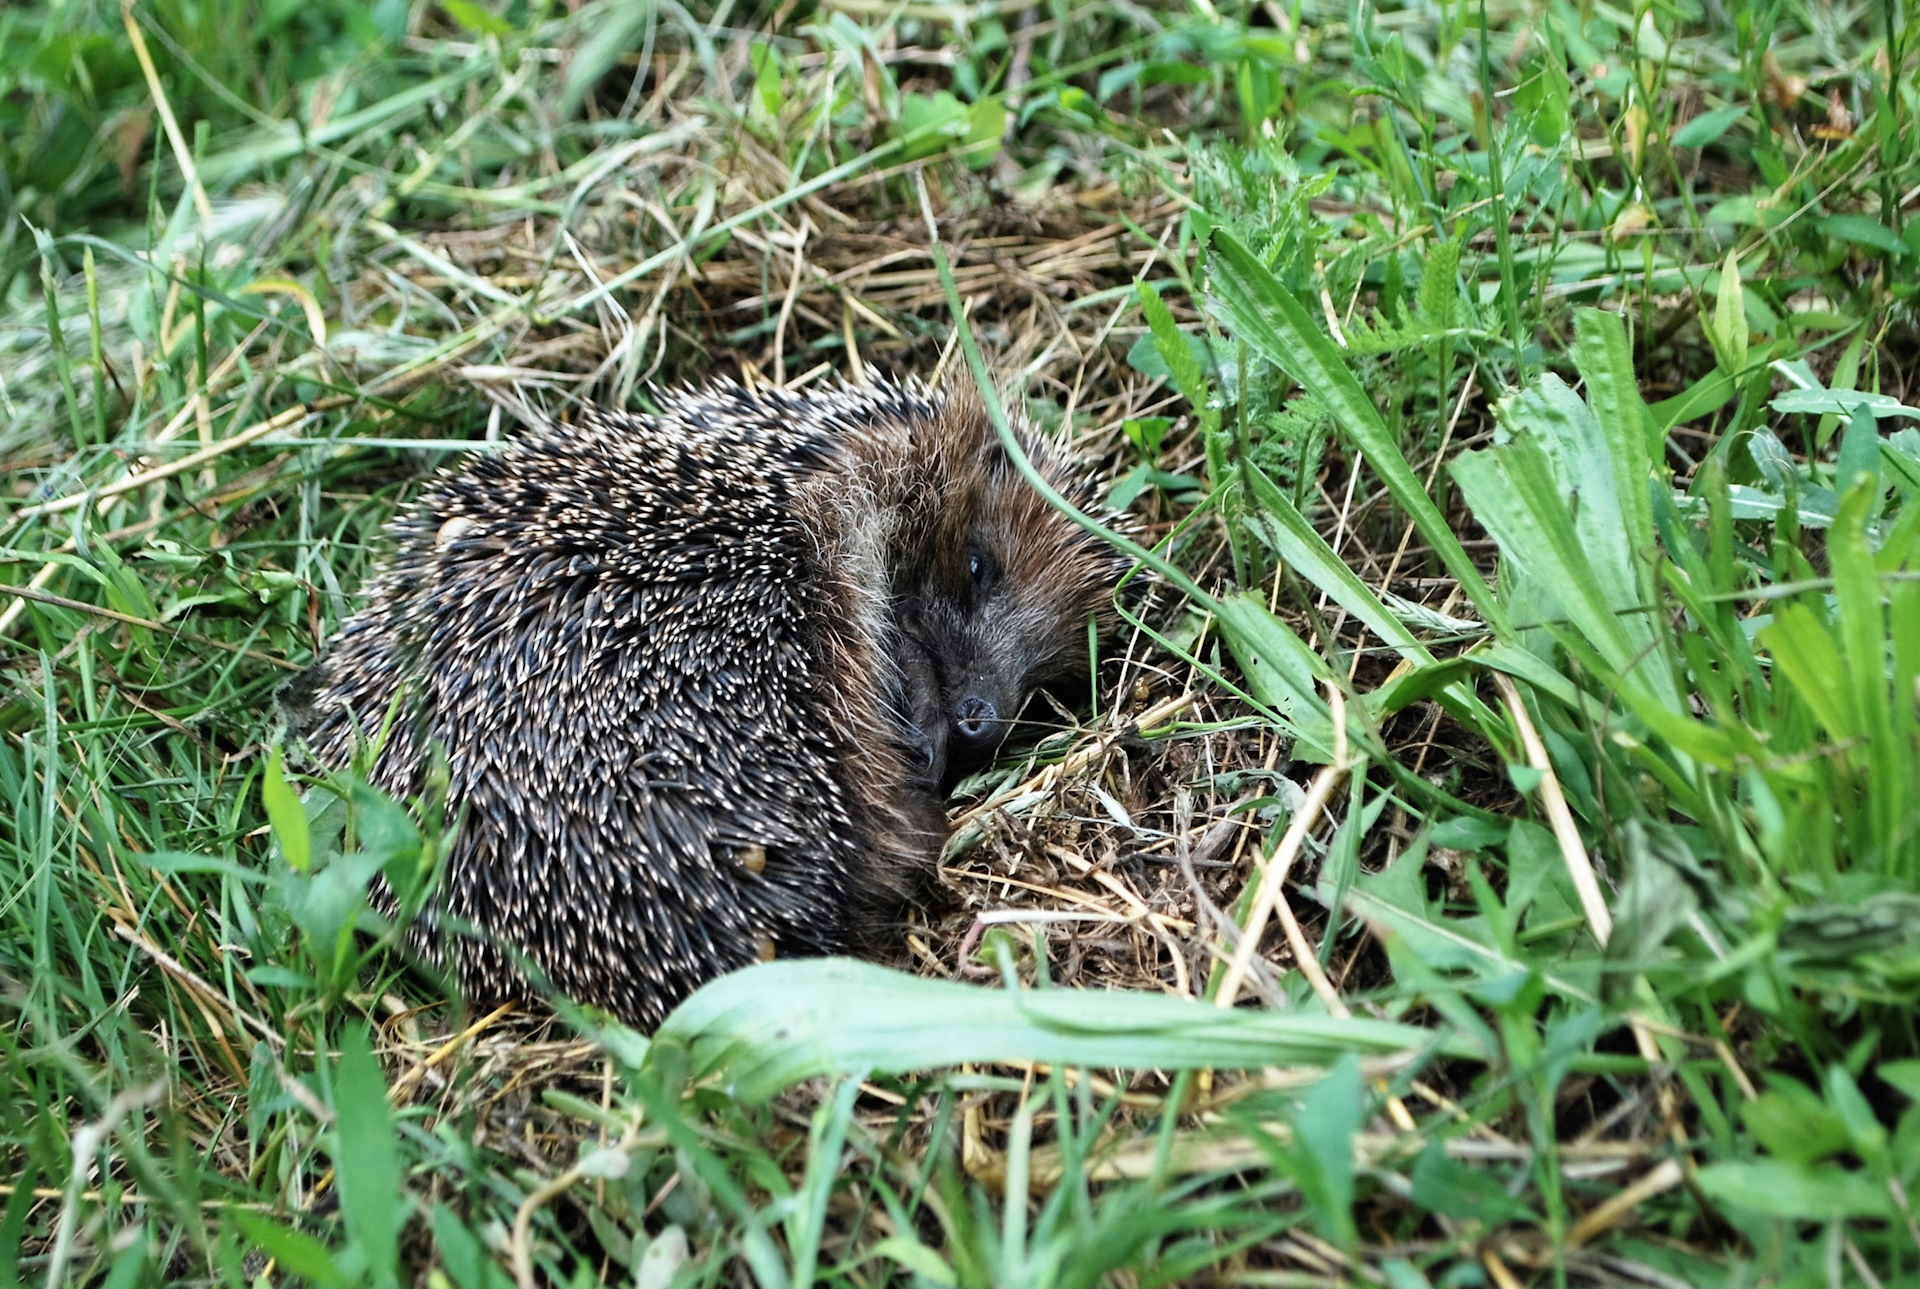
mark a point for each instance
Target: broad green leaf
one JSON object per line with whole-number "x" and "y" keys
{"x": 1780, "y": 1189}
{"x": 1805, "y": 653}
{"x": 1545, "y": 99}
{"x": 767, "y": 1027}
{"x": 1551, "y": 498}
{"x": 1631, "y": 443}
{"x": 1864, "y": 1130}
{"x": 285, "y": 814}
{"x": 1417, "y": 684}
{"x": 295, "y": 1253}
{"x": 475, "y": 18}
{"x": 1862, "y": 623}
{"x": 1901, "y": 1075}
{"x": 986, "y": 126}
{"x": 1863, "y": 230}
{"x": 1899, "y": 461}
{"x": 1281, "y": 671}
{"x": 1257, "y": 309}
{"x": 1450, "y": 1188}
{"x": 1655, "y": 899}
{"x": 1859, "y": 452}
{"x": 667, "y": 1254}
{"x": 1708, "y": 126}
{"x": 1524, "y": 664}
{"x": 1728, "y": 327}
{"x": 915, "y": 1257}
{"x": 768, "y": 76}
{"x": 465, "y": 1258}
{"x": 1793, "y": 1123}
{"x": 1298, "y": 543}
{"x": 1841, "y": 402}
{"x": 366, "y": 1161}
{"x": 931, "y": 122}
{"x": 1710, "y": 393}
{"x": 1323, "y": 1130}
{"x": 1446, "y": 942}
{"x": 1512, "y": 492}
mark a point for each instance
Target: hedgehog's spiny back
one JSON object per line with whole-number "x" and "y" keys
{"x": 632, "y": 647}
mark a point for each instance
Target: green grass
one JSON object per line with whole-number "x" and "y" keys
{"x": 1520, "y": 401}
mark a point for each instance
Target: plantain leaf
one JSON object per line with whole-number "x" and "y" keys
{"x": 768, "y": 1027}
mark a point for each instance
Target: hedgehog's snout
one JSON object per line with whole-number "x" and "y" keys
{"x": 976, "y": 719}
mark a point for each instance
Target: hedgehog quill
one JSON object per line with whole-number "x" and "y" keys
{"x": 701, "y": 676}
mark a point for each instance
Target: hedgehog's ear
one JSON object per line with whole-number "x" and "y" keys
{"x": 999, "y": 464}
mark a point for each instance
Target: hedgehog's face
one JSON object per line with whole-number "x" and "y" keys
{"x": 1003, "y": 604}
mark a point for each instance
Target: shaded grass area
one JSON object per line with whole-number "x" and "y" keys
{"x": 1525, "y": 392}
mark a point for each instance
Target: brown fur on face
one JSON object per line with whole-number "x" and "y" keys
{"x": 992, "y": 581}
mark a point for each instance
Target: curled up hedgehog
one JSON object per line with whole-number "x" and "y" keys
{"x": 701, "y": 676}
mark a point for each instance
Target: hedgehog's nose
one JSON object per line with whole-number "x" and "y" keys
{"x": 976, "y": 719}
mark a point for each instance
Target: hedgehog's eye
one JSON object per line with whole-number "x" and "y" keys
{"x": 981, "y": 568}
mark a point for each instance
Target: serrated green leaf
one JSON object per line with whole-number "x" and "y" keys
{"x": 1440, "y": 287}
{"x": 1174, "y": 347}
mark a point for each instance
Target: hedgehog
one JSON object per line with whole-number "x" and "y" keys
{"x": 701, "y": 677}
